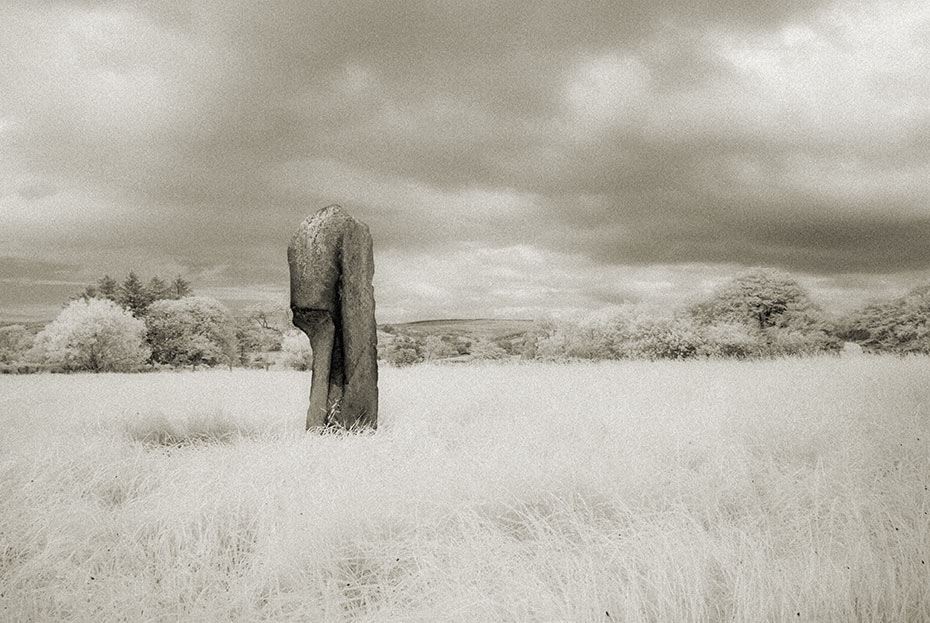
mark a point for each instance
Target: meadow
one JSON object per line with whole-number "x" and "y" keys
{"x": 718, "y": 491}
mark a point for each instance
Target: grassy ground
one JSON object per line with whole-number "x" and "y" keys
{"x": 661, "y": 492}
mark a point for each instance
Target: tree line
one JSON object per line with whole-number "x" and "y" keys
{"x": 757, "y": 314}
{"x": 134, "y": 325}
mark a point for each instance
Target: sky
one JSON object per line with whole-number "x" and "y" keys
{"x": 511, "y": 159}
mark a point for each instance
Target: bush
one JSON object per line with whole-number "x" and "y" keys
{"x": 731, "y": 339}
{"x": 403, "y": 350}
{"x": 15, "y": 340}
{"x": 664, "y": 337}
{"x": 487, "y": 350}
{"x": 191, "y": 331}
{"x": 900, "y": 326}
{"x": 296, "y": 353}
{"x": 92, "y": 334}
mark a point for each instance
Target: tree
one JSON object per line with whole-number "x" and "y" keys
{"x": 486, "y": 349}
{"x": 774, "y": 308}
{"x": 195, "y": 330}
{"x": 93, "y": 334}
{"x": 901, "y": 325}
{"x": 15, "y": 340}
{"x": 436, "y": 348}
{"x": 107, "y": 288}
{"x": 158, "y": 289}
{"x": 256, "y": 336}
{"x": 180, "y": 288}
{"x": 133, "y": 295}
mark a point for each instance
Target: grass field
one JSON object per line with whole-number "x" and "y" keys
{"x": 792, "y": 490}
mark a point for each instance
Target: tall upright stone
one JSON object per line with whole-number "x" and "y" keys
{"x": 331, "y": 264}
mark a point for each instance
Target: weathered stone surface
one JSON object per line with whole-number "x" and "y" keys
{"x": 332, "y": 265}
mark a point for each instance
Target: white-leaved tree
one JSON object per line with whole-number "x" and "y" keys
{"x": 92, "y": 334}
{"x": 192, "y": 331}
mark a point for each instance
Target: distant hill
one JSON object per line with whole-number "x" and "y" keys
{"x": 477, "y": 328}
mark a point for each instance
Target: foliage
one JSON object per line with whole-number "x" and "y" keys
{"x": 730, "y": 340}
{"x": 295, "y": 351}
{"x": 487, "y": 350}
{"x": 435, "y": 347}
{"x": 134, "y": 295}
{"x": 105, "y": 288}
{"x": 901, "y": 325}
{"x": 664, "y": 337}
{"x": 627, "y": 332}
{"x": 403, "y": 350}
{"x": 157, "y": 289}
{"x": 256, "y": 337}
{"x": 180, "y": 288}
{"x": 195, "y": 330}
{"x": 92, "y": 334}
{"x": 15, "y": 340}
{"x": 775, "y": 312}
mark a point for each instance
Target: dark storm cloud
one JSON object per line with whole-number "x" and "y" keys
{"x": 195, "y": 136}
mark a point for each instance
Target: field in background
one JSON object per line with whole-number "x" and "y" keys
{"x": 472, "y": 329}
{"x": 787, "y": 490}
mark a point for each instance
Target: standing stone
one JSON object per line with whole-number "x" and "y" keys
{"x": 331, "y": 264}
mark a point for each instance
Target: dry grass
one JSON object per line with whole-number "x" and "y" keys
{"x": 701, "y": 491}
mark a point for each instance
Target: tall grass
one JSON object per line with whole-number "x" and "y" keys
{"x": 791, "y": 490}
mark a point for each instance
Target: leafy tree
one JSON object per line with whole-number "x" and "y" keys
{"x": 133, "y": 295}
{"x": 774, "y": 308}
{"x": 92, "y": 334}
{"x": 15, "y": 340}
{"x": 195, "y": 330}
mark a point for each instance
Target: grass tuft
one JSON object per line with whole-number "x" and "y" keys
{"x": 158, "y": 429}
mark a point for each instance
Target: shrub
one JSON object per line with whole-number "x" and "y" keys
{"x": 295, "y": 351}
{"x": 487, "y": 350}
{"x": 731, "y": 339}
{"x": 403, "y": 350}
{"x": 436, "y": 347}
{"x": 92, "y": 334}
{"x": 15, "y": 340}
{"x": 193, "y": 331}
{"x": 901, "y": 325}
{"x": 664, "y": 337}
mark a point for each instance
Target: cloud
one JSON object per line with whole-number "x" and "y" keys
{"x": 181, "y": 137}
